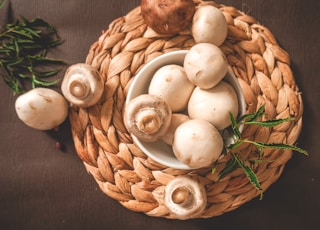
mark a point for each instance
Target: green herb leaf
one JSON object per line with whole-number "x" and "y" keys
{"x": 37, "y": 82}
{"x": 235, "y": 126}
{"x": 260, "y": 160}
{"x": 24, "y": 45}
{"x": 250, "y": 174}
{"x": 252, "y": 116}
{"x": 45, "y": 74}
{"x": 229, "y": 168}
{"x": 2, "y": 3}
{"x": 235, "y": 161}
{"x": 268, "y": 123}
{"x": 278, "y": 146}
{"x": 236, "y": 144}
{"x": 214, "y": 167}
{"x": 258, "y": 114}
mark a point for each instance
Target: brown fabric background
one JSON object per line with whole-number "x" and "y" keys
{"x": 42, "y": 188}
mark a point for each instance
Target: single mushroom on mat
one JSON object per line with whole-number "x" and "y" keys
{"x": 167, "y": 16}
{"x": 147, "y": 117}
{"x": 185, "y": 197}
{"x": 82, "y": 85}
{"x": 209, "y": 25}
{"x": 42, "y": 108}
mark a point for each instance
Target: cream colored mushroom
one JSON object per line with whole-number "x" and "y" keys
{"x": 205, "y": 65}
{"x": 185, "y": 197}
{"x": 82, "y": 85}
{"x": 147, "y": 117}
{"x": 214, "y": 105}
{"x": 197, "y": 143}
{"x": 42, "y": 108}
{"x": 176, "y": 120}
{"x": 171, "y": 83}
{"x": 209, "y": 25}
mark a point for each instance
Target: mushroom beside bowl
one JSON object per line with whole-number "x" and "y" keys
{"x": 159, "y": 150}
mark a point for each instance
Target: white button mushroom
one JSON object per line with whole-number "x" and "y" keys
{"x": 82, "y": 85}
{"x": 209, "y": 25}
{"x": 147, "y": 117}
{"x": 42, "y": 108}
{"x": 185, "y": 197}
{"x": 214, "y": 105}
{"x": 205, "y": 65}
{"x": 176, "y": 120}
{"x": 197, "y": 143}
{"x": 171, "y": 83}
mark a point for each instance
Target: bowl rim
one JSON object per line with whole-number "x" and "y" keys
{"x": 152, "y": 66}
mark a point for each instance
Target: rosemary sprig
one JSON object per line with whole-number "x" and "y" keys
{"x": 23, "y": 48}
{"x": 249, "y": 173}
{"x": 235, "y": 161}
{"x": 2, "y": 2}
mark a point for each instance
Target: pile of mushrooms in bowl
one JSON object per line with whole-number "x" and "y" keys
{"x": 179, "y": 105}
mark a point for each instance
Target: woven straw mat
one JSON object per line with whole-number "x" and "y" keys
{"x": 125, "y": 173}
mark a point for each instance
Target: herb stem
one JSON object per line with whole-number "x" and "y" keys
{"x": 23, "y": 48}
{"x": 236, "y": 162}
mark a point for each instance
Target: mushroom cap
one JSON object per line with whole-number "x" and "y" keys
{"x": 209, "y": 25}
{"x": 214, "y": 105}
{"x": 197, "y": 143}
{"x": 171, "y": 83}
{"x": 205, "y": 65}
{"x": 176, "y": 120}
{"x": 41, "y": 108}
{"x": 147, "y": 117}
{"x": 82, "y": 85}
{"x": 167, "y": 16}
{"x": 185, "y": 197}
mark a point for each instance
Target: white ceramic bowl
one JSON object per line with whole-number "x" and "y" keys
{"x": 160, "y": 151}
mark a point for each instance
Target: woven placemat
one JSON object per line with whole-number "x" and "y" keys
{"x": 125, "y": 173}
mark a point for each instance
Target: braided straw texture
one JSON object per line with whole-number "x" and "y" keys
{"x": 125, "y": 173}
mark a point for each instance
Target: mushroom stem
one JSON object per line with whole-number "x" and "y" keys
{"x": 182, "y": 196}
{"x": 79, "y": 88}
{"x": 82, "y": 85}
{"x": 185, "y": 197}
{"x": 148, "y": 121}
{"x": 147, "y": 117}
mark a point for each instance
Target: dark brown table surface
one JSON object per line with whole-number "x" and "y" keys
{"x": 43, "y": 188}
